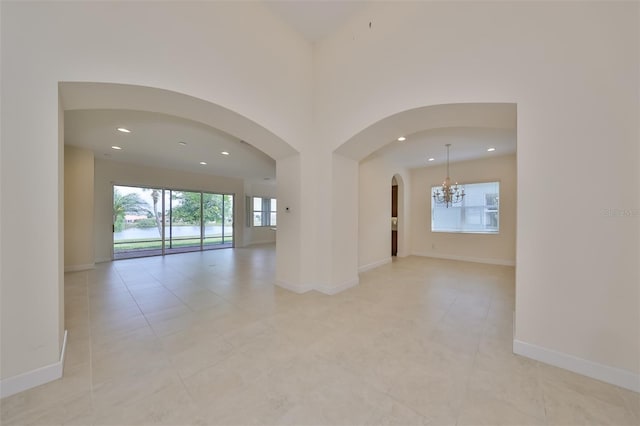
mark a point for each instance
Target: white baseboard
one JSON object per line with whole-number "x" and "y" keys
{"x": 76, "y": 268}
{"x": 615, "y": 376}
{"x": 293, "y": 287}
{"x": 331, "y": 290}
{"x": 503, "y": 262}
{"x": 374, "y": 265}
{"x": 31, "y": 379}
{"x": 103, "y": 260}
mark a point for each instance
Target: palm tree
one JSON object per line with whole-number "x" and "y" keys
{"x": 155, "y": 196}
{"x": 127, "y": 204}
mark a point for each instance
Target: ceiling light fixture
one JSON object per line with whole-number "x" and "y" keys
{"x": 203, "y": 163}
{"x": 123, "y": 130}
{"x": 491, "y": 149}
{"x": 402, "y": 139}
{"x": 431, "y": 159}
{"x": 450, "y": 194}
{"x": 116, "y": 147}
{"x": 224, "y": 153}
{"x": 182, "y": 143}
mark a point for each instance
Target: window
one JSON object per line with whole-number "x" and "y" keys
{"x": 478, "y": 213}
{"x": 264, "y": 211}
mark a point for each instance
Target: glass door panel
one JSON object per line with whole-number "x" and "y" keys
{"x": 212, "y": 215}
{"x": 184, "y": 222}
{"x": 227, "y": 218}
{"x": 136, "y": 221}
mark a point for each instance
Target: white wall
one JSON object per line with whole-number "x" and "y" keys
{"x": 572, "y": 69}
{"x": 259, "y": 234}
{"x": 344, "y": 225}
{"x": 109, "y": 173}
{"x": 288, "y": 236}
{"x": 78, "y": 209}
{"x": 192, "y": 48}
{"x": 500, "y": 248}
{"x": 374, "y": 211}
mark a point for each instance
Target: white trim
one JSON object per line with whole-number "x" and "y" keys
{"x": 615, "y": 376}
{"x": 331, "y": 290}
{"x": 104, "y": 260}
{"x": 76, "y": 268}
{"x": 489, "y": 261}
{"x": 31, "y": 379}
{"x": 293, "y": 287}
{"x": 374, "y": 265}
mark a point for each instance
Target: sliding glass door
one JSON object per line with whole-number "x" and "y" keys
{"x": 218, "y": 220}
{"x": 137, "y": 220}
{"x": 153, "y": 221}
{"x": 185, "y": 222}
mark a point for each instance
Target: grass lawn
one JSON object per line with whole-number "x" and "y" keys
{"x": 128, "y": 245}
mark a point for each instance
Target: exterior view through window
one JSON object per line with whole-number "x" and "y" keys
{"x": 478, "y": 213}
{"x": 264, "y": 211}
{"x": 157, "y": 221}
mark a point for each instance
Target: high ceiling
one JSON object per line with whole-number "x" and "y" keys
{"x": 155, "y": 137}
{"x": 315, "y": 20}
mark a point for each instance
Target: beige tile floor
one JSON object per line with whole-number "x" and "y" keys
{"x": 206, "y": 338}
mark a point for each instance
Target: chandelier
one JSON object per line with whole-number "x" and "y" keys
{"x": 448, "y": 194}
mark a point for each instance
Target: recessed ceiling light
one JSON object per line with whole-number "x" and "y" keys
{"x": 491, "y": 149}
{"x": 431, "y": 159}
{"x": 182, "y": 143}
{"x": 123, "y": 130}
{"x": 224, "y": 153}
{"x": 203, "y": 163}
{"x": 402, "y": 139}
{"x": 116, "y": 147}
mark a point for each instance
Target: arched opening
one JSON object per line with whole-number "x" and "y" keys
{"x": 427, "y": 129}
{"x": 398, "y": 216}
{"x": 158, "y": 110}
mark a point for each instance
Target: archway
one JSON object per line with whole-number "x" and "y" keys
{"x": 78, "y": 96}
{"x": 398, "y": 216}
{"x": 376, "y": 166}
{"x": 84, "y": 95}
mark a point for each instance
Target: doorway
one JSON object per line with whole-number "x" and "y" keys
{"x": 394, "y": 217}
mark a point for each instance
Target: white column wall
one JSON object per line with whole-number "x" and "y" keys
{"x": 344, "y": 227}
{"x": 289, "y": 234}
{"x": 78, "y": 209}
{"x": 572, "y": 69}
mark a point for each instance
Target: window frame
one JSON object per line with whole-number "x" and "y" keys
{"x": 486, "y": 208}
{"x": 265, "y": 211}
